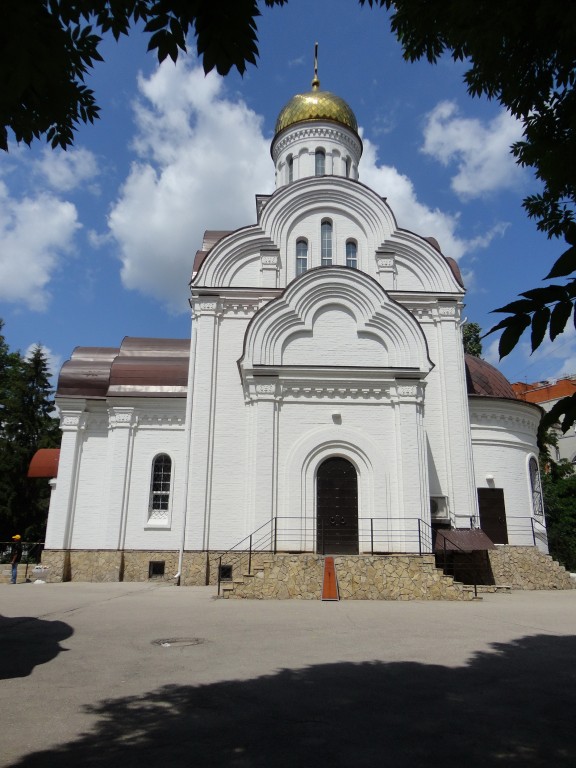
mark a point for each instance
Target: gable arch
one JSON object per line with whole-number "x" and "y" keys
{"x": 341, "y": 317}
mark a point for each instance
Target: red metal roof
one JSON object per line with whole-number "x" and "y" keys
{"x": 44, "y": 463}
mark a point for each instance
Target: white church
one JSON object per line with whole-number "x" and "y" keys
{"x": 322, "y": 406}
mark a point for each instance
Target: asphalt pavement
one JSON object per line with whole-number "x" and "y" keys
{"x": 154, "y": 675}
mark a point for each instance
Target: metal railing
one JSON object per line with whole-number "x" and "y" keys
{"x": 373, "y": 536}
{"x": 526, "y": 531}
{"x": 31, "y": 553}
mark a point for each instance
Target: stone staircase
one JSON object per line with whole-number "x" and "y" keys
{"x": 528, "y": 568}
{"x": 6, "y": 573}
{"x": 360, "y": 577}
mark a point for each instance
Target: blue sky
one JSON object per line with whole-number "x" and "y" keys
{"x": 97, "y": 243}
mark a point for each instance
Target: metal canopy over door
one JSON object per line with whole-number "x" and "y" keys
{"x": 337, "y": 507}
{"x": 493, "y": 514}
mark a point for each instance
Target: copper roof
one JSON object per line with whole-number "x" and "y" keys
{"x": 44, "y": 463}
{"x": 141, "y": 367}
{"x": 485, "y": 380}
{"x": 211, "y": 237}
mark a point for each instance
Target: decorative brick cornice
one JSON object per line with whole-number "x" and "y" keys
{"x": 306, "y": 132}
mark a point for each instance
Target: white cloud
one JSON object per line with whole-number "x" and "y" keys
{"x": 34, "y": 234}
{"x": 414, "y": 215}
{"x": 201, "y": 159}
{"x": 64, "y": 171}
{"x": 481, "y": 151}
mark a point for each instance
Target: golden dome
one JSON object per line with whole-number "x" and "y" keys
{"x": 316, "y": 105}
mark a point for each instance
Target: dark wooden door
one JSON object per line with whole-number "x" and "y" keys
{"x": 493, "y": 514}
{"x": 337, "y": 507}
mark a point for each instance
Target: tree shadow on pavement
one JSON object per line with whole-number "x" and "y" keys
{"x": 26, "y": 642}
{"x": 511, "y": 706}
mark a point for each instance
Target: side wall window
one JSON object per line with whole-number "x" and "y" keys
{"x": 326, "y": 243}
{"x": 301, "y": 257}
{"x": 537, "y": 504}
{"x": 348, "y": 165}
{"x": 351, "y": 254}
{"x": 160, "y": 489}
{"x": 319, "y": 162}
{"x": 290, "y": 163}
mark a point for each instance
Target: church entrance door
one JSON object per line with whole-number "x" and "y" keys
{"x": 337, "y": 507}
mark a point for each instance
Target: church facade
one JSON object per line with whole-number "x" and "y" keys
{"x": 323, "y": 403}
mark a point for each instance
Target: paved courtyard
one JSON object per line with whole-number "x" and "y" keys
{"x": 152, "y": 675}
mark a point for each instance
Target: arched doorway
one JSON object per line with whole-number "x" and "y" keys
{"x": 337, "y": 507}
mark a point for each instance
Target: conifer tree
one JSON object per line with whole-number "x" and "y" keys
{"x": 26, "y": 424}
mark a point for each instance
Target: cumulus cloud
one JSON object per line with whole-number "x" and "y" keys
{"x": 201, "y": 159}
{"x": 552, "y": 360}
{"x": 65, "y": 171}
{"x": 34, "y": 233}
{"x": 414, "y": 215}
{"x": 480, "y": 151}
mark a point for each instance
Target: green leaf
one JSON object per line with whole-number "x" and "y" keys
{"x": 507, "y": 321}
{"x": 546, "y": 295}
{"x": 512, "y": 334}
{"x": 520, "y": 305}
{"x": 560, "y": 316}
{"x": 539, "y": 325}
{"x": 563, "y": 266}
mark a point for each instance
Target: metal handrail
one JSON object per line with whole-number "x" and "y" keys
{"x": 376, "y": 535}
{"x": 31, "y": 551}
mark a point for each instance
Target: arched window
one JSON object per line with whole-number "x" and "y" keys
{"x": 326, "y": 243}
{"x": 290, "y": 164}
{"x": 301, "y": 257}
{"x": 160, "y": 488}
{"x": 348, "y": 165}
{"x": 351, "y": 254}
{"x": 537, "y": 504}
{"x": 319, "y": 162}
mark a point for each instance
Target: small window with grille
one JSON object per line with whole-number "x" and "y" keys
{"x": 160, "y": 489}
{"x": 537, "y": 504}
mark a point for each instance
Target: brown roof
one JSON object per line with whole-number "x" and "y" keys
{"x": 141, "y": 367}
{"x": 44, "y": 463}
{"x": 462, "y": 541}
{"x": 485, "y": 380}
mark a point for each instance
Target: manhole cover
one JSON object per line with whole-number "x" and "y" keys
{"x": 178, "y": 642}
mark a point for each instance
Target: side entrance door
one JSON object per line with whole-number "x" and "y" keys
{"x": 493, "y": 514}
{"x": 337, "y": 507}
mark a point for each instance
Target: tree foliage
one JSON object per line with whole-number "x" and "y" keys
{"x": 559, "y": 490}
{"x": 523, "y": 56}
{"x": 47, "y": 47}
{"x": 472, "y": 339}
{"x": 26, "y": 424}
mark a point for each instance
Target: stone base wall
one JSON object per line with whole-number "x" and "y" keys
{"x": 98, "y": 565}
{"x": 391, "y": 577}
{"x": 198, "y": 568}
{"x": 394, "y": 577}
{"x": 527, "y": 568}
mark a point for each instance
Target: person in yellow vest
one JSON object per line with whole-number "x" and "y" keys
{"x": 16, "y": 556}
